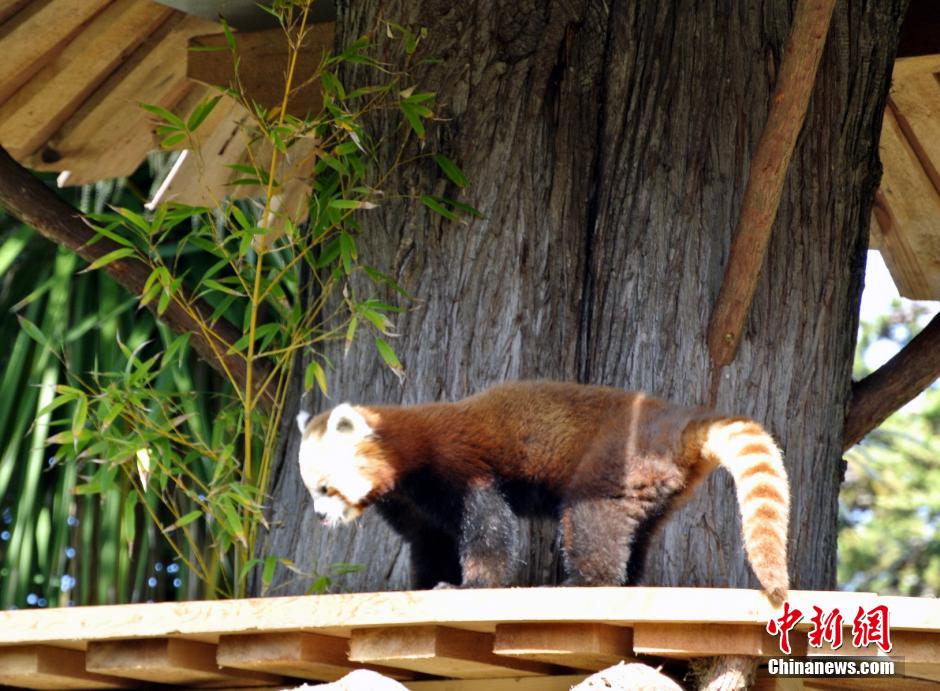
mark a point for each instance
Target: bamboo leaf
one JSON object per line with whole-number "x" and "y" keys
{"x": 451, "y": 170}
{"x": 388, "y": 355}
{"x": 109, "y": 258}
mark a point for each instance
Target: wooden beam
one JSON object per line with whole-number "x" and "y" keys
{"x": 166, "y": 661}
{"x": 468, "y": 609}
{"x": 915, "y": 101}
{"x": 41, "y": 105}
{"x": 907, "y": 208}
{"x": 562, "y": 682}
{"x": 893, "y": 384}
{"x": 581, "y": 646}
{"x": 36, "y": 35}
{"x": 33, "y": 203}
{"x": 296, "y": 654}
{"x": 44, "y": 667}
{"x": 768, "y": 172}
{"x": 439, "y": 650}
{"x": 920, "y": 651}
{"x": 263, "y": 60}
{"x": 10, "y": 7}
{"x": 707, "y": 640}
{"x": 110, "y": 134}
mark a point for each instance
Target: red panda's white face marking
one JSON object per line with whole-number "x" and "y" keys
{"x": 332, "y": 465}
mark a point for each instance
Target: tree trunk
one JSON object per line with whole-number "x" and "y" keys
{"x": 608, "y": 146}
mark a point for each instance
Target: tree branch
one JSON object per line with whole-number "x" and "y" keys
{"x": 767, "y": 175}
{"x": 37, "y": 206}
{"x": 893, "y": 384}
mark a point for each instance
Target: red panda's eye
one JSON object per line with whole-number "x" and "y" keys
{"x": 344, "y": 425}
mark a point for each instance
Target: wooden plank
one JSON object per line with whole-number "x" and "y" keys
{"x": 263, "y": 62}
{"x": 920, "y": 651}
{"x": 43, "y": 667}
{"x": 109, "y": 135}
{"x": 581, "y": 646}
{"x": 166, "y": 661}
{"x": 302, "y": 655}
{"x": 438, "y": 650}
{"x": 915, "y": 102}
{"x": 471, "y": 609}
{"x": 37, "y": 34}
{"x": 41, "y": 105}
{"x": 562, "y": 682}
{"x": 10, "y": 7}
{"x": 908, "y": 213}
{"x": 703, "y": 640}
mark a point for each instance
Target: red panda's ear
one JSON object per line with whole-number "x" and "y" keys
{"x": 344, "y": 419}
{"x": 302, "y": 417}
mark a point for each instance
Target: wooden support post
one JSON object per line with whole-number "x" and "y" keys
{"x": 439, "y": 650}
{"x": 893, "y": 384}
{"x": 45, "y": 667}
{"x": 166, "y": 661}
{"x": 581, "y": 646}
{"x": 767, "y": 175}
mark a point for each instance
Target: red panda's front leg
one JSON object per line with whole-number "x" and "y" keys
{"x": 489, "y": 538}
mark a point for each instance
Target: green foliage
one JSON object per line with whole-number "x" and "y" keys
{"x": 139, "y": 438}
{"x": 57, "y": 546}
{"x": 889, "y": 507}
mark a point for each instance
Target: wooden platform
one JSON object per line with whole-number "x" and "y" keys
{"x": 522, "y": 638}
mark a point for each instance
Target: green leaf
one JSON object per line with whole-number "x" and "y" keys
{"x": 247, "y": 567}
{"x": 388, "y": 355}
{"x": 81, "y": 414}
{"x": 110, "y": 257}
{"x": 313, "y": 373}
{"x": 436, "y": 206}
{"x": 33, "y": 332}
{"x": 411, "y": 115}
{"x": 451, "y": 170}
{"x": 186, "y": 520}
{"x": 164, "y": 114}
{"x": 201, "y": 112}
{"x": 267, "y": 573}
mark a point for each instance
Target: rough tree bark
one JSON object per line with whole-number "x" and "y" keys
{"x": 608, "y": 145}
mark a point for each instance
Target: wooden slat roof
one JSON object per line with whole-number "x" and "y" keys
{"x": 75, "y": 72}
{"x": 546, "y": 635}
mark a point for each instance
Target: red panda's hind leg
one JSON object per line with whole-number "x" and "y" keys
{"x": 596, "y": 541}
{"x": 602, "y": 537}
{"x": 489, "y": 539}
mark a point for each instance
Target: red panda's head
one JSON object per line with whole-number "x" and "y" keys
{"x": 339, "y": 462}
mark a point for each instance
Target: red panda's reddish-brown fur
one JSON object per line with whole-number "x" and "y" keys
{"x": 614, "y": 461}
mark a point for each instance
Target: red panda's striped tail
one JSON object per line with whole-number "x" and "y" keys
{"x": 753, "y": 459}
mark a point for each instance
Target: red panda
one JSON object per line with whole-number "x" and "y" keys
{"x": 608, "y": 464}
